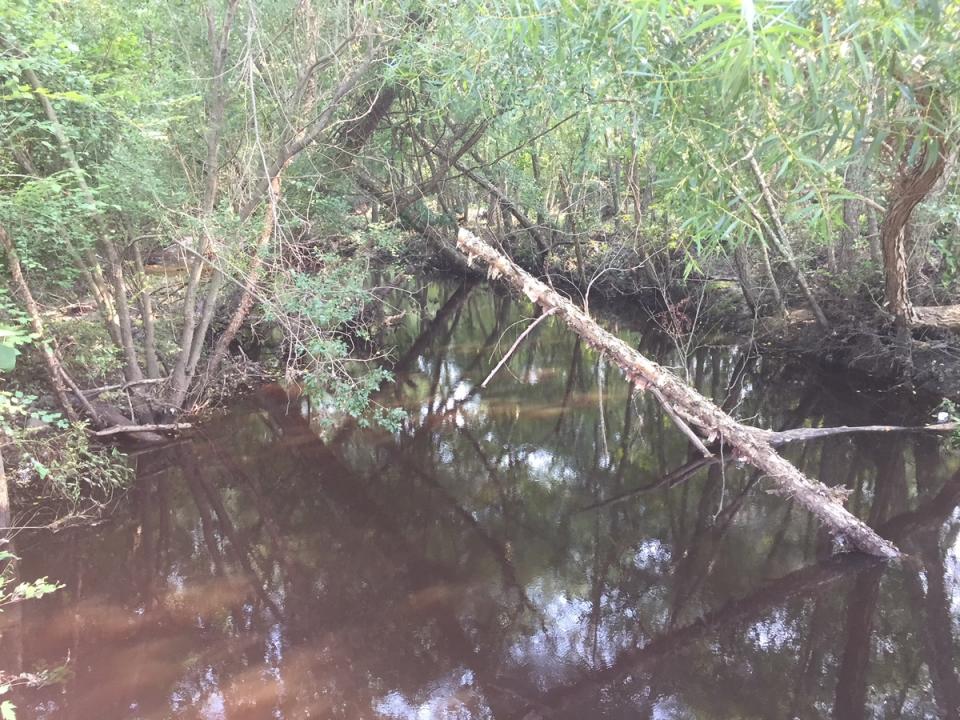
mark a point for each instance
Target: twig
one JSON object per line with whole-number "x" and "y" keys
{"x": 93, "y": 392}
{"x": 516, "y": 343}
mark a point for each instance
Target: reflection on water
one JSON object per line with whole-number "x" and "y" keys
{"x": 549, "y": 547}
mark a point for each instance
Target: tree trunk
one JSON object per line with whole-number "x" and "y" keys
{"x": 119, "y": 325}
{"x": 873, "y": 237}
{"x": 5, "y": 515}
{"x": 146, "y": 314}
{"x": 218, "y": 39}
{"x": 896, "y": 289}
{"x": 852, "y": 207}
{"x": 54, "y": 368}
{"x": 772, "y": 279}
{"x": 910, "y": 187}
{"x": 741, "y": 261}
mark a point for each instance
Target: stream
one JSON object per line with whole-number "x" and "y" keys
{"x": 547, "y": 547}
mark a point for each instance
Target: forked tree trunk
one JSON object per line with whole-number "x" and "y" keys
{"x": 146, "y": 313}
{"x": 689, "y": 405}
{"x": 249, "y": 295}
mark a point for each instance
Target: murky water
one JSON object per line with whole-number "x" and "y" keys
{"x": 546, "y": 548}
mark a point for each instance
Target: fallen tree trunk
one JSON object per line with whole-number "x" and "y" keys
{"x": 750, "y": 443}
{"x": 947, "y": 316}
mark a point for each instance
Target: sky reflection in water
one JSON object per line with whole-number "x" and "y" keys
{"x": 277, "y": 567}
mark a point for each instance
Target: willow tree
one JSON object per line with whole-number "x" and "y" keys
{"x": 762, "y": 123}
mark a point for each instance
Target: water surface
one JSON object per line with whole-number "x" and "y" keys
{"x": 549, "y": 547}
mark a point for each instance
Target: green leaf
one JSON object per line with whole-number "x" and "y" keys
{"x": 42, "y": 470}
{"x": 7, "y": 710}
{"x": 8, "y": 357}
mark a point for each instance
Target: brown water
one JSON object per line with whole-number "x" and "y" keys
{"x": 277, "y": 567}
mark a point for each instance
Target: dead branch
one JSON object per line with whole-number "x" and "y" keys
{"x": 94, "y": 392}
{"x": 154, "y": 427}
{"x": 516, "y": 344}
{"x": 804, "y": 434}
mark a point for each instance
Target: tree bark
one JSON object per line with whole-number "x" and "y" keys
{"x": 772, "y": 279}
{"x": 852, "y": 207}
{"x": 696, "y": 410}
{"x": 873, "y": 237}
{"x": 939, "y": 316}
{"x": 741, "y": 261}
{"x": 146, "y": 313}
{"x": 910, "y": 187}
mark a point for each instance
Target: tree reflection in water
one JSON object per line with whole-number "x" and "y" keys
{"x": 508, "y": 553}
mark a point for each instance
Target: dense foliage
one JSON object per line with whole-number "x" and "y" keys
{"x": 181, "y": 180}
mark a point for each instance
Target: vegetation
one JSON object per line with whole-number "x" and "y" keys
{"x": 198, "y": 195}
{"x": 179, "y": 180}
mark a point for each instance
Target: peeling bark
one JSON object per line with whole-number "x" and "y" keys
{"x": 939, "y": 316}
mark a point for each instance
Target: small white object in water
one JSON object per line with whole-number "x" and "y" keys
{"x": 943, "y": 416}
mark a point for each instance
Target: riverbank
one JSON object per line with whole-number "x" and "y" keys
{"x": 861, "y": 338}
